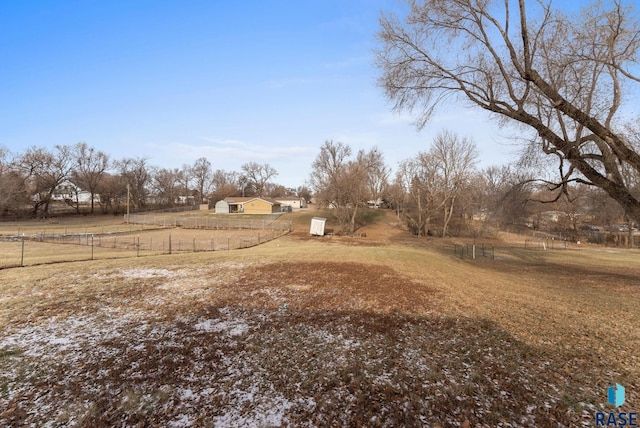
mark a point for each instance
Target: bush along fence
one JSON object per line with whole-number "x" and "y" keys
{"x": 40, "y": 248}
{"x": 474, "y": 251}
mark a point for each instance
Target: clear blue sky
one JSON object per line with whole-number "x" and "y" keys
{"x": 266, "y": 81}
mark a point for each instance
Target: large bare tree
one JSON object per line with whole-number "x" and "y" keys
{"x": 45, "y": 171}
{"x": 135, "y": 172}
{"x": 416, "y": 177}
{"x": 435, "y": 179}
{"x": 201, "y": 174}
{"x": 454, "y": 158}
{"x": 91, "y": 167}
{"x": 113, "y": 192}
{"x": 225, "y": 184}
{"x": 346, "y": 184}
{"x": 563, "y": 77}
{"x": 166, "y": 185}
{"x": 258, "y": 175}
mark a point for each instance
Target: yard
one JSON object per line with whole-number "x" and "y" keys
{"x": 382, "y": 330}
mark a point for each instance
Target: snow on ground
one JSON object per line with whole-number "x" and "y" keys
{"x": 83, "y": 343}
{"x": 151, "y": 355}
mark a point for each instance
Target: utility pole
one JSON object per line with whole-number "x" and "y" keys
{"x": 128, "y": 197}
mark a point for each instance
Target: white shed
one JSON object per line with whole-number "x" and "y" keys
{"x": 222, "y": 207}
{"x": 317, "y": 226}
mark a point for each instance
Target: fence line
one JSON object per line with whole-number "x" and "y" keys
{"x": 211, "y": 223}
{"x": 474, "y": 251}
{"x": 38, "y": 249}
{"x": 545, "y": 244}
{"x": 180, "y": 209}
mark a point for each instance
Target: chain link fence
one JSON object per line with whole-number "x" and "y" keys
{"x": 545, "y": 244}
{"x": 196, "y": 235}
{"x": 474, "y": 251}
{"x": 212, "y": 223}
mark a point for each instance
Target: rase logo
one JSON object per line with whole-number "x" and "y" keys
{"x": 615, "y": 397}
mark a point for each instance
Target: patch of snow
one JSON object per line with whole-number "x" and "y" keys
{"x": 264, "y": 411}
{"x": 147, "y": 273}
{"x": 231, "y": 327}
{"x": 182, "y": 421}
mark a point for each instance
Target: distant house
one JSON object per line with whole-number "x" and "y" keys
{"x": 68, "y": 191}
{"x": 294, "y": 203}
{"x": 552, "y": 216}
{"x": 261, "y": 206}
{"x": 375, "y": 204}
{"x": 247, "y": 205}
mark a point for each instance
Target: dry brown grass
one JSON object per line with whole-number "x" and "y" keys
{"x": 382, "y": 330}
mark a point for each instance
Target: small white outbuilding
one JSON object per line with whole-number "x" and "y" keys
{"x": 317, "y": 226}
{"x": 222, "y": 207}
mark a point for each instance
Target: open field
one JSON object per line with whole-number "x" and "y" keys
{"x": 382, "y": 330}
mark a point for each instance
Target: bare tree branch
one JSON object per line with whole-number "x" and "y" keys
{"x": 562, "y": 77}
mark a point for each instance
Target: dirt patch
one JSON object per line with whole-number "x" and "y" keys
{"x": 332, "y": 286}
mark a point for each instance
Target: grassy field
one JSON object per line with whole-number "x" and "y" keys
{"x": 382, "y": 330}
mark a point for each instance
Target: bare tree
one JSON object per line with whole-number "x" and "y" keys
{"x": 225, "y": 184}
{"x": 46, "y": 170}
{"x": 506, "y": 194}
{"x": 278, "y": 191}
{"x": 135, "y": 172}
{"x": 434, "y": 180}
{"x": 166, "y": 185}
{"x": 201, "y": 173}
{"x": 454, "y": 159}
{"x": 328, "y": 171}
{"x": 416, "y": 177}
{"x": 378, "y": 174}
{"x": 113, "y": 191}
{"x": 13, "y": 193}
{"x": 600, "y": 207}
{"x": 561, "y": 77}
{"x": 185, "y": 183}
{"x": 396, "y": 195}
{"x": 344, "y": 184}
{"x": 304, "y": 192}
{"x": 258, "y": 175}
{"x": 90, "y": 168}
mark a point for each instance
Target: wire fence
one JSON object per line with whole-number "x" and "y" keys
{"x": 34, "y": 249}
{"x": 213, "y": 223}
{"x": 545, "y": 244}
{"x": 474, "y": 251}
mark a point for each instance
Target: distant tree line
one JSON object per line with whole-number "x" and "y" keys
{"x": 32, "y": 180}
{"x": 443, "y": 188}
{"x": 439, "y": 191}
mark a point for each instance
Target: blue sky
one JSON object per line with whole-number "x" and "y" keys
{"x": 266, "y": 81}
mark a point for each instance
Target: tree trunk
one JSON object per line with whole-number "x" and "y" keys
{"x": 420, "y": 222}
{"x": 352, "y": 225}
{"x": 447, "y": 217}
